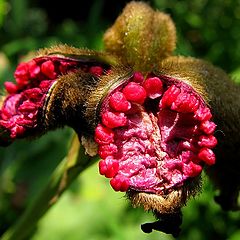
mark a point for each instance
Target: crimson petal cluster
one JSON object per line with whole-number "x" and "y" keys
{"x": 25, "y": 99}
{"x": 154, "y": 134}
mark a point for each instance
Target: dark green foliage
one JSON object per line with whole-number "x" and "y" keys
{"x": 207, "y": 29}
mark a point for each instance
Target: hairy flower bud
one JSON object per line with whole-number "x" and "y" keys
{"x": 141, "y": 36}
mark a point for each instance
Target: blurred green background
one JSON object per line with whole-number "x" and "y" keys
{"x": 90, "y": 209}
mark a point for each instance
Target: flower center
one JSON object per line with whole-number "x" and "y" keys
{"x": 154, "y": 134}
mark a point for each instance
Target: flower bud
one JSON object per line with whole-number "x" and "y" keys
{"x": 141, "y": 36}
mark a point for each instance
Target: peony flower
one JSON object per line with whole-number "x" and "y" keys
{"x": 153, "y": 116}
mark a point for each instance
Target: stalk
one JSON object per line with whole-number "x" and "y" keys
{"x": 66, "y": 172}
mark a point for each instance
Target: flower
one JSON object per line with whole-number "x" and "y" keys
{"x": 26, "y": 106}
{"x": 152, "y": 115}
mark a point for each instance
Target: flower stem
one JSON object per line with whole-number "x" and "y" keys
{"x": 66, "y": 172}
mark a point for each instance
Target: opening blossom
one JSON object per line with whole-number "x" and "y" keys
{"x": 153, "y": 116}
